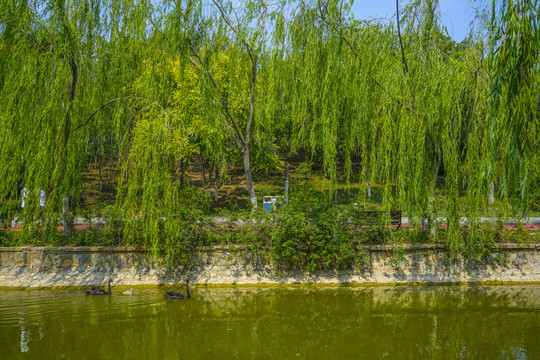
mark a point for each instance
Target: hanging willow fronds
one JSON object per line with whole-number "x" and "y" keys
{"x": 515, "y": 90}
{"x": 148, "y": 84}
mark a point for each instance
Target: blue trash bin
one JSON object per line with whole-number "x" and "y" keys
{"x": 267, "y": 203}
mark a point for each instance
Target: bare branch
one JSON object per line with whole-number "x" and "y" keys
{"x": 194, "y": 64}
{"x": 323, "y": 18}
{"x": 253, "y": 69}
{"x": 231, "y": 133}
{"x": 251, "y": 103}
{"x": 98, "y": 109}
{"x": 228, "y": 21}
{"x": 31, "y": 37}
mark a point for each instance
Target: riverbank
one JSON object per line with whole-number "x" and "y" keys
{"x": 45, "y": 267}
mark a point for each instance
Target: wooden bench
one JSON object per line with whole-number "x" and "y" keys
{"x": 370, "y": 218}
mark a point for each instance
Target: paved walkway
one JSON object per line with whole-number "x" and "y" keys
{"x": 532, "y": 223}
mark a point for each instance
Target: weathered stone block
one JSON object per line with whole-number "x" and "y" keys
{"x": 66, "y": 263}
{"x": 21, "y": 258}
{"x": 120, "y": 261}
{"x": 81, "y": 259}
{"x": 97, "y": 259}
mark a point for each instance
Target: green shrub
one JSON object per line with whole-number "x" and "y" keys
{"x": 309, "y": 233}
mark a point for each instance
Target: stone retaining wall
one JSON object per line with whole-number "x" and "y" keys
{"x": 81, "y": 266}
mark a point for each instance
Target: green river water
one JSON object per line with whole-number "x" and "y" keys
{"x": 431, "y": 322}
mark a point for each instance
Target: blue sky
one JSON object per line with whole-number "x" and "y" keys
{"x": 455, "y": 14}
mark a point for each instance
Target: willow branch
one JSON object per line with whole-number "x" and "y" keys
{"x": 98, "y": 109}
{"x": 397, "y": 100}
{"x": 228, "y": 127}
{"x": 223, "y": 101}
{"x": 251, "y": 103}
{"x": 31, "y": 37}
{"x": 195, "y": 64}
{"x": 71, "y": 97}
{"x": 323, "y": 18}
{"x": 254, "y": 71}
{"x": 228, "y": 21}
{"x": 74, "y": 76}
{"x": 406, "y": 69}
{"x": 324, "y": 7}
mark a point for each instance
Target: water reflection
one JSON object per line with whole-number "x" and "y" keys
{"x": 24, "y": 336}
{"x": 475, "y": 322}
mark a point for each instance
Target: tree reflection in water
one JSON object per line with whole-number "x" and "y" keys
{"x": 458, "y": 322}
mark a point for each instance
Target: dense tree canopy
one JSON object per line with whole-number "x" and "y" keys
{"x": 149, "y": 85}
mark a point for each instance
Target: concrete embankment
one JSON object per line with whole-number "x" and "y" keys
{"x": 218, "y": 265}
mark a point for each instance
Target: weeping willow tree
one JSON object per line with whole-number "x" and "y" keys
{"x": 241, "y": 34}
{"x": 515, "y": 93}
{"x": 150, "y": 84}
{"x": 194, "y": 102}
{"x": 413, "y": 105}
{"x": 97, "y": 73}
{"x": 202, "y": 79}
{"x": 67, "y": 70}
{"x": 47, "y": 84}
{"x": 406, "y": 114}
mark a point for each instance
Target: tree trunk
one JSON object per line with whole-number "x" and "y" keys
{"x": 67, "y": 219}
{"x": 216, "y": 186}
{"x": 249, "y": 180}
{"x": 368, "y": 189}
{"x": 100, "y": 167}
{"x": 432, "y": 224}
{"x": 287, "y": 182}
{"x": 210, "y": 171}
{"x": 203, "y": 181}
{"x": 491, "y": 198}
{"x": 181, "y": 169}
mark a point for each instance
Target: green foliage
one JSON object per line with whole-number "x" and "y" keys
{"x": 515, "y": 91}
{"x": 310, "y": 233}
{"x": 534, "y": 187}
{"x": 148, "y": 85}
